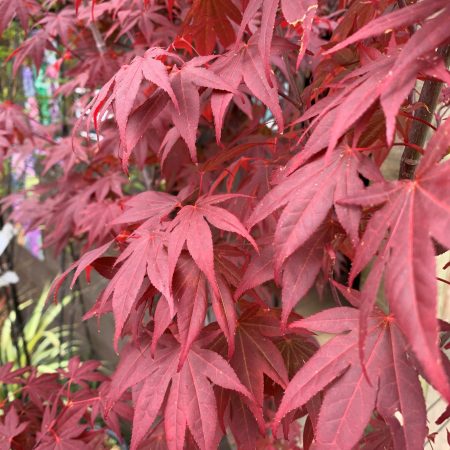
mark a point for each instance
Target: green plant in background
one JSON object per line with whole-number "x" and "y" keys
{"x": 10, "y": 85}
{"x": 46, "y": 342}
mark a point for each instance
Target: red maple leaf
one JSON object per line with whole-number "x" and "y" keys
{"x": 185, "y": 397}
{"x": 23, "y": 10}
{"x": 401, "y": 234}
{"x": 350, "y": 393}
{"x": 208, "y": 20}
{"x": 10, "y": 428}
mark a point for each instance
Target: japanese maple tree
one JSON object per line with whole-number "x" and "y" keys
{"x": 223, "y": 159}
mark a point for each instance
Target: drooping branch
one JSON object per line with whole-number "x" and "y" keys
{"x": 429, "y": 96}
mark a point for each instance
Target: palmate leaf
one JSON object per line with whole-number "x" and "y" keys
{"x": 63, "y": 432}
{"x": 52, "y": 411}
{"x": 255, "y": 357}
{"x": 23, "y": 10}
{"x": 190, "y": 292}
{"x": 295, "y": 12}
{"x": 398, "y": 81}
{"x": 97, "y": 221}
{"x": 299, "y": 273}
{"x": 10, "y": 428}
{"x": 258, "y": 271}
{"x": 144, "y": 258}
{"x": 8, "y": 376}
{"x": 62, "y": 24}
{"x": 225, "y": 311}
{"x": 14, "y": 122}
{"x": 122, "y": 89}
{"x": 401, "y": 231}
{"x": 150, "y": 207}
{"x": 143, "y": 17}
{"x": 190, "y": 402}
{"x": 263, "y": 359}
{"x": 301, "y": 270}
{"x": 209, "y": 20}
{"x": 181, "y": 85}
{"x": 349, "y": 396}
{"x": 190, "y": 226}
{"x": 400, "y": 18}
{"x": 32, "y": 48}
{"x": 307, "y": 197}
{"x": 199, "y": 361}
{"x": 157, "y": 256}
{"x": 145, "y": 255}
{"x": 82, "y": 373}
{"x": 238, "y": 416}
{"x": 245, "y": 64}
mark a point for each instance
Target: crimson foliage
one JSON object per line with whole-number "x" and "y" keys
{"x": 255, "y": 134}
{"x": 58, "y": 410}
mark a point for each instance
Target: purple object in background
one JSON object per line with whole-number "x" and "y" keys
{"x": 33, "y": 243}
{"x": 24, "y": 169}
{"x": 28, "y": 82}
